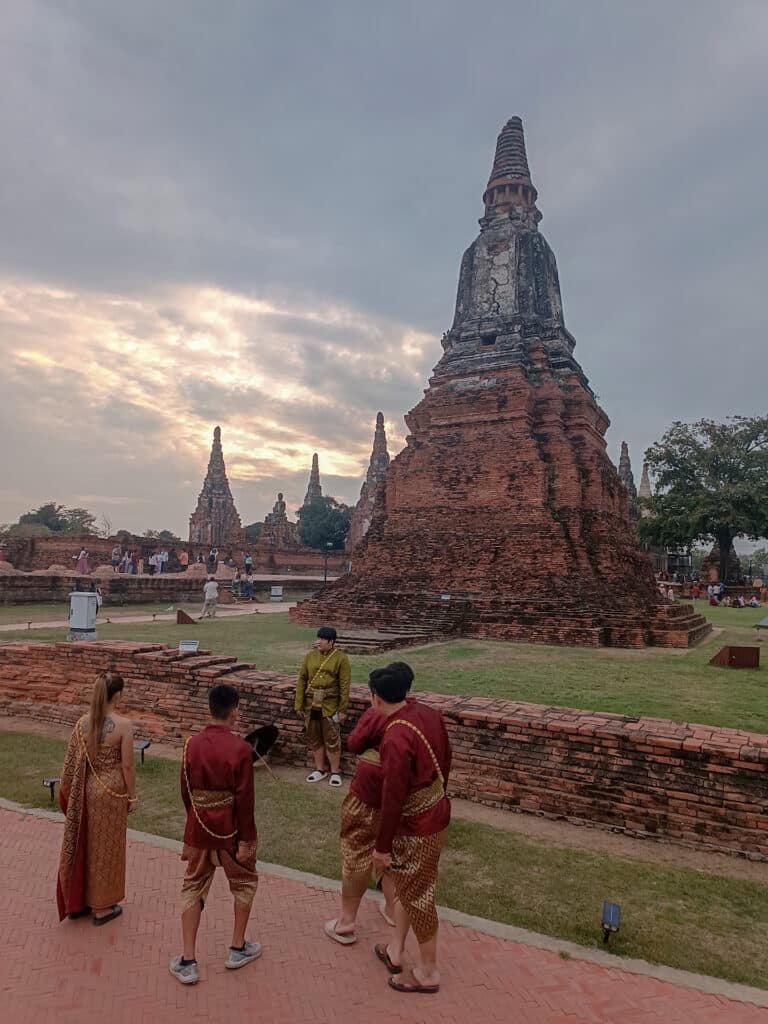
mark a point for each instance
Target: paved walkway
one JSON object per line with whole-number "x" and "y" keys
{"x": 225, "y": 612}
{"x": 70, "y": 973}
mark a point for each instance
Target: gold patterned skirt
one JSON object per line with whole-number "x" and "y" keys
{"x": 414, "y": 872}
{"x": 105, "y": 832}
{"x": 359, "y": 828}
{"x": 92, "y": 862}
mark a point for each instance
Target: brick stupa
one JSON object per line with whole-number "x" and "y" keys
{"x": 215, "y": 521}
{"x": 503, "y": 517}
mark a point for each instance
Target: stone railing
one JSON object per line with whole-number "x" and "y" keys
{"x": 690, "y": 783}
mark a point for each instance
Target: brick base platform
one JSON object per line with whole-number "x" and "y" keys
{"x": 71, "y": 973}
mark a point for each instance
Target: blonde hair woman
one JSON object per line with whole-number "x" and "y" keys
{"x": 97, "y": 793}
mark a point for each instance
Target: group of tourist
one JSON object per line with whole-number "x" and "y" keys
{"x": 393, "y": 819}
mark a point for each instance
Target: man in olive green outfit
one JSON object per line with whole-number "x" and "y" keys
{"x": 322, "y": 697}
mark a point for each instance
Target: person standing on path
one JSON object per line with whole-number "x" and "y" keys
{"x": 415, "y": 811}
{"x": 117, "y": 554}
{"x": 217, "y": 790}
{"x": 322, "y": 698}
{"x": 96, "y": 794}
{"x": 360, "y": 819}
{"x": 210, "y": 597}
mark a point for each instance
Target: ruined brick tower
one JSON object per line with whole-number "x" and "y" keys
{"x": 314, "y": 490}
{"x": 503, "y": 516}
{"x": 627, "y": 478}
{"x": 377, "y": 472}
{"x": 215, "y": 520}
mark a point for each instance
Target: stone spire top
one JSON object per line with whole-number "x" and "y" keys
{"x": 509, "y": 186}
{"x": 377, "y": 472}
{"x": 645, "y": 484}
{"x": 314, "y": 490}
{"x": 215, "y": 520}
{"x": 626, "y": 477}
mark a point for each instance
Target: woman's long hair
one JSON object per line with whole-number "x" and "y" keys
{"x": 106, "y": 686}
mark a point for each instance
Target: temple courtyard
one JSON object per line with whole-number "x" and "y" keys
{"x": 694, "y": 927}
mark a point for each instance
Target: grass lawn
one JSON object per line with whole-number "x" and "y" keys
{"x": 675, "y": 916}
{"x": 59, "y": 611}
{"x": 666, "y": 684}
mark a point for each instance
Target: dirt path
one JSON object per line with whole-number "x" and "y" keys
{"x": 564, "y": 834}
{"x": 121, "y": 619}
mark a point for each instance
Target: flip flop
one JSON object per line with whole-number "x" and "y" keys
{"x": 335, "y": 780}
{"x": 401, "y": 985}
{"x": 380, "y": 949}
{"x": 330, "y": 930}
{"x": 77, "y": 914}
{"x": 317, "y": 776}
{"x": 116, "y": 912}
{"x": 383, "y": 911}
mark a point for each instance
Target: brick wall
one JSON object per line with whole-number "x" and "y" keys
{"x": 118, "y": 589}
{"x": 690, "y": 783}
{"x": 37, "y": 553}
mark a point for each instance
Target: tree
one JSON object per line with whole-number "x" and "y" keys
{"x": 60, "y": 519}
{"x": 164, "y": 536}
{"x": 711, "y": 484}
{"x": 79, "y": 521}
{"x": 49, "y": 515}
{"x": 323, "y": 521}
{"x": 253, "y": 532}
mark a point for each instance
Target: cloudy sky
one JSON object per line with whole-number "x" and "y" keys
{"x": 252, "y": 214}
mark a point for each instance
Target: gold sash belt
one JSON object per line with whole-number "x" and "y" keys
{"x": 208, "y": 799}
{"x": 371, "y": 755}
{"x": 423, "y": 799}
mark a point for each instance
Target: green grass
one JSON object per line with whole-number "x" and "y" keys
{"x": 667, "y": 684}
{"x": 673, "y": 916}
{"x": 59, "y": 611}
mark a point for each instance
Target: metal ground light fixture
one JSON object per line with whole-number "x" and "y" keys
{"x": 611, "y": 919}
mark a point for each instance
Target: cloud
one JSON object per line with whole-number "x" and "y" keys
{"x": 130, "y": 392}
{"x": 257, "y": 220}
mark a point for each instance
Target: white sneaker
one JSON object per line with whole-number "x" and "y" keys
{"x": 239, "y": 958}
{"x": 188, "y": 974}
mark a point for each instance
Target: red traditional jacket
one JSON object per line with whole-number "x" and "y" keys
{"x": 407, "y": 767}
{"x": 367, "y": 735}
{"x": 217, "y": 761}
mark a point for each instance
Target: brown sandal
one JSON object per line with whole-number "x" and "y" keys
{"x": 401, "y": 985}
{"x": 380, "y": 949}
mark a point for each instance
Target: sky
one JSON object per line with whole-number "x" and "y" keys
{"x": 251, "y": 214}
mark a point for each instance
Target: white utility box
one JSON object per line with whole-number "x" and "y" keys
{"x": 82, "y": 615}
{"x": 276, "y": 593}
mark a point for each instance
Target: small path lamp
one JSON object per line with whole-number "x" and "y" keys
{"x": 611, "y": 919}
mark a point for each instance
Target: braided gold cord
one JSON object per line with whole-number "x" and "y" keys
{"x": 424, "y": 740}
{"x": 104, "y": 786}
{"x": 201, "y": 823}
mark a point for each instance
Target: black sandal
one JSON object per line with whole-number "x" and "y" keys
{"x": 116, "y": 912}
{"x": 380, "y": 949}
{"x": 75, "y": 914}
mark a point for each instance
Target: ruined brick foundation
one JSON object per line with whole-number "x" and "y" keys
{"x": 693, "y": 784}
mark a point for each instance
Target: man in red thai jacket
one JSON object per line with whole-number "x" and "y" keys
{"x": 360, "y": 817}
{"x": 217, "y": 790}
{"x": 415, "y": 763}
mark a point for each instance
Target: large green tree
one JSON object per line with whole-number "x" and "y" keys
{"x": 324, "y": 521}
{"x": 60, "y": 519}
{"x": 711, "y": 484}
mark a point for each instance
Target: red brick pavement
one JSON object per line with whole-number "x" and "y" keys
{"x": 70, "y": 973}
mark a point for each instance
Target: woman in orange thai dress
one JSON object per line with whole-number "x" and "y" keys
{"x": 97, "y": 793}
